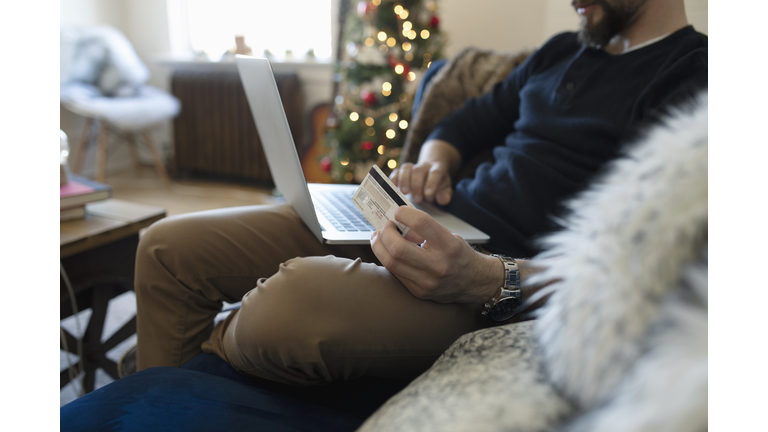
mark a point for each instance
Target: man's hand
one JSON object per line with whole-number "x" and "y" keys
{"x": 430, "y": 177}
{"x": 424, "y": 180}
{"x": 433, "y": 263}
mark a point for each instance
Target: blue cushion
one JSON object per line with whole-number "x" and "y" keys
{"x": 360, "y": 397}
{"x": 171, "y": 399}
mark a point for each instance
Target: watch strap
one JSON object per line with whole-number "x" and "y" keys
{"x": 511, "y": 287}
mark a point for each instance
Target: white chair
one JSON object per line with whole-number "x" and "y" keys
{"x": 103, "y": 80}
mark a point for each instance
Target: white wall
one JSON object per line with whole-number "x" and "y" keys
{"x": 85, "y": 12}
{"x": 504, "y": 25}
{"x": 698, "y": 15}
{"x": 512, "y": 25}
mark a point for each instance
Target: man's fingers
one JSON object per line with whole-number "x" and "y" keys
{"x": 444, "y": 195}
{"x": 418, "y": 177}
{"x": 396, "y": 253}
{"x": 424, "y": 225}
{"x": 404, "y": 178}
{"x": 402, "y": 249}
{"x": 414, "y": 237}
{"x": 437, "y": 180}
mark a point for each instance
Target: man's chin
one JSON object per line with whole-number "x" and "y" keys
{"x": 593, "y": 31}
{"x": 593, "y": 36}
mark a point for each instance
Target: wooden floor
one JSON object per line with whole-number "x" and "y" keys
{"x": 180, "y": 196}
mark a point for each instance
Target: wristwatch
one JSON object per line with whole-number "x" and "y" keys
{"x": 511, "y": 297}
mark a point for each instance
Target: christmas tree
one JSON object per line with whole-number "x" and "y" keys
{"x": 387, "y": 47}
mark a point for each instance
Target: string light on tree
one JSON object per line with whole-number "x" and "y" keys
{"x": 388, "y": 45}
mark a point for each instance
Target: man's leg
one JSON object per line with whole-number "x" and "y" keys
{"x": 320, "y": 319}
{"x": 187, "y": 265}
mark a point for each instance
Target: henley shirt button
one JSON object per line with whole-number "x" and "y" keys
{"x": 569, "y": 86}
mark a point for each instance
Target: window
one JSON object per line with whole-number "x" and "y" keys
{"x": 276, "y": 25}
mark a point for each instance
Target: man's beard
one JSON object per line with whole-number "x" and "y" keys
{"x": 616, "y": 17}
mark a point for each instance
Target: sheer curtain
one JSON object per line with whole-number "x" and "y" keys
{"x": 274, "y": 25}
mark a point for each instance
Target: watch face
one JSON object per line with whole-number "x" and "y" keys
{"x": 504, "y": 309}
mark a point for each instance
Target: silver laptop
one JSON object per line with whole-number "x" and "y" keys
{"x": 327, "y": 209}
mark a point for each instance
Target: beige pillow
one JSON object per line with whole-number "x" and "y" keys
{"x": 489, "y": 380}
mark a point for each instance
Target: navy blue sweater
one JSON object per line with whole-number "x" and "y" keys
{"x": 554, "y": 122}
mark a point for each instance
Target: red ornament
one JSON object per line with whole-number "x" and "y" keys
{"x": 325, "y": 164}
{"x": 368, "y": 97}
{"x": 366, "y": 145}
{"x": 391, "y": 61}
{"x": 434, "y": 22}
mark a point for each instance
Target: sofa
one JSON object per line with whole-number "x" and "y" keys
{"x": 621, "y": 343}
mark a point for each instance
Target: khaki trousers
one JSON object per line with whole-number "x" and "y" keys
{"x": 311, "y": 313}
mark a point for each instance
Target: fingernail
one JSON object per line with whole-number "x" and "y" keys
{"x": 428, "y": 191}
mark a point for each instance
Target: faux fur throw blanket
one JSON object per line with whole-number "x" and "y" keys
{"x": 469, "y": 74}
{"x": 624, "y": 334}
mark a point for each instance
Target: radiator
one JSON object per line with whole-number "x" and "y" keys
{"x": 215, "y": 132}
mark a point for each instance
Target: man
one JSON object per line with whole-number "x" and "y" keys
{"x": 319, "y": 313}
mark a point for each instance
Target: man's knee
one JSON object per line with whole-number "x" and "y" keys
{"x": 282, "y": 307}
{"x": 290, "y": 321}
{"x": 175, "y": 241}
{"x": 165, "y": 250}
{"x": 166, "y": 233}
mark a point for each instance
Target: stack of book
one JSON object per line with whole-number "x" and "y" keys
{"x": 77, "y": 192}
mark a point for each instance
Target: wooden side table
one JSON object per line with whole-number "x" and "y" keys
{"x": 98, "y": 254}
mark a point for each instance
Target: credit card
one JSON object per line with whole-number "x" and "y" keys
{"x": 378, "y": 198}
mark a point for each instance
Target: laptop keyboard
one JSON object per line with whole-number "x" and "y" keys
{"x": 341, "y": 212}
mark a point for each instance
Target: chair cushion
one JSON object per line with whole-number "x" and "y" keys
{"x": 99, "y": 55}
{"x": 148, "y": 106}
{"x": 171, "y": 399}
